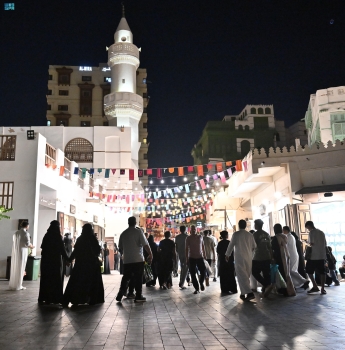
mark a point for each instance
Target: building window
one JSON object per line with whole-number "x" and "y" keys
{"x": 9, "y": 6}
{"x": 145, "y": 110}
{"x": 63, "y": 92}
{"x": 145, "y": 156}
{"x": 86, "y": 78}
{"x": 252, "y": 111}
{"x": 79, "y": 150}
{"x": 85, "y": 110}
{"x": 84, "y": 123}
{"x": 7, "y": 147}
{"x": 105, "y": 123}
{"x": 107, "y": 79}
{"x": 50, "y": 77}
{"x": 6, "y": 194}
{"x": 338, "y": 131}
{"x": 277, "y": 136}
{"x": 86, "y": 93}
{"x": 64, "y": 78}
{"x": 145, "y": 125}
{"x": 49, "y": 107}
{"x": 145, "y": 95}
{"x": 260, "y": 111}
{"x": 145, "y": 140}
{"x": 63, "y": 107}
{"x": 267, "y": 110}
{"x": 50, "y": 92}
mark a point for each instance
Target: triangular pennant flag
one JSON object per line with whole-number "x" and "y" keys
{"x": 215, "y": 177}
{"x": 100, "y": 170}
{"x": 180, "y": 171}
{"x": 113, "y": 171}
{"x": 222, "y": 177}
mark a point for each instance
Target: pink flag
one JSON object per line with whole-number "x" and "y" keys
{"x": 229, "y": 172}
{"x": 245, "y": 165}
{"x": 222, "y": 177}
{"x": 202, "y": 184}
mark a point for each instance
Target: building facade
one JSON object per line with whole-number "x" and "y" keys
{"x": 234, "y": 136}
{"x": 78, "y": 168}
{"x": 325, "y": 117}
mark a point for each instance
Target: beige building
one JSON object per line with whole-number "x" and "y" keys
{"x": 75, "y": 98}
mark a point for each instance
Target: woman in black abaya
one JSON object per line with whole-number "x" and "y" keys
{"x": 167, "y": 254}
{"x": 85, "y": 285}
{"x": 53, "y": 250}
{"x": 106, "y": 260}
{"x": 226, "y": 268}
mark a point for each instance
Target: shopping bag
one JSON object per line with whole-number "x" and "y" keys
{"x": 280, "y": 283}
{"x": 147, "y": 276}
{"x": 208, "y": 267}
{"x": 274, "y": 269}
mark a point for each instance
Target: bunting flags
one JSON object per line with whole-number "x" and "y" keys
{"x": 180, "y": 171}
{"x": 140, "y": 173}
{"x": 238, "y": 165}
{"x": 76, "y": 170}
{"x": 62, "y": 170}
{"x": 107, "y": 171}
{"x": 131, "y": 174}
{"x": 219, "y": 166}
{"x": 122, "y": 171}
{"x": 200, "y": 170}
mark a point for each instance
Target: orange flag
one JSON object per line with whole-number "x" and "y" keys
{"x": 62, "y": 170}
{"x": 200, "y": 170}
{"x": 171, "y": 170}
{"x": 180, "y": 171}
{"x": 238, "y": 165}
{"x": 219, "y": 166}
{"x": 228, "y": 163}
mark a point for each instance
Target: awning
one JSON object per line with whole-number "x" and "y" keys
{"x": 321, "y": 189}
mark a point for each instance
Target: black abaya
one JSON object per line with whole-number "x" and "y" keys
{"x": 51, "y": 282}
{"x": 165, "y": 261}
{"x": 85, "y": 285}
{"x": 226, "y": 268}
{"x": 106, "y": 262}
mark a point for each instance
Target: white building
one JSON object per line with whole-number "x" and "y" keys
{"x": 289, "y": 187}
{"x": 325, "y": 117}
{"x": 77, "y": 174}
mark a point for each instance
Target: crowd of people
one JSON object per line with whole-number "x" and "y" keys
{"x": 249, "y": 259}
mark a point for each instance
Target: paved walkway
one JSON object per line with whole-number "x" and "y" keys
{"x": 174, "y": 320}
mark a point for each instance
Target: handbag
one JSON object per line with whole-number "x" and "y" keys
{"x": 307, "y": 253}
{"x": 207, "y": 267}
{"x": 280, "y": 283}
{"x": 147, "y": 275}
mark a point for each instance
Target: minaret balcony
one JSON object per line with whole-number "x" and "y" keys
{"x": 123, "y": 104}
{"x": 123, "y": 53}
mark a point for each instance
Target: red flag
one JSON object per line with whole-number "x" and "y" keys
{"x": 190, "y": 169}
{"x": 131, "y": 174}
{"x": 149, "y": 172}
{"x": 238, "y": 165}
{"x": 113, "y": 171}
{"x": 219, "y": 166}
{"x": 209, "y": 166}
{"x": 159, "y": 173}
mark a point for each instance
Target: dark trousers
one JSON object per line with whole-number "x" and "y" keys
{"x": 342, "y": 272}
{"x": 262, "y": 266}
{"x": 134, "y": 272}
{"x": 193, "y": 264}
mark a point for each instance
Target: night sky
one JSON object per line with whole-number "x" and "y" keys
{"x": 205, "y": 59}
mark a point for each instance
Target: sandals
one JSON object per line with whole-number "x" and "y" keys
{"x": 314, "y": 290}
{"x": 323, "y": 292}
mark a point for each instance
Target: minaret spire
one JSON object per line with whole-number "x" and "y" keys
{"x": 123, "y": 9}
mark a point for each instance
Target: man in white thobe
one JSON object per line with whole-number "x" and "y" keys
{"x": 244, "y": 244}
{"x": 21, "y": 243}
{"x": 297, "y": 280}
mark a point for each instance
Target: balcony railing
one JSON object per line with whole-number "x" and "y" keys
{"x": 50, "y": 158}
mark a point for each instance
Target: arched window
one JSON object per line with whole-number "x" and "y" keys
{"x": 277, "y": 136}
{"x": 245, "y": 113}
{"x": 245, "y": 148}
{"x": 79, "y": 150}
{"x": 240, "y": 127}
{"x": 253, "y": 111}
{"x": 267, "y": 110}
{"x": 246, "y": 128}
{"x": 260, "y": 111}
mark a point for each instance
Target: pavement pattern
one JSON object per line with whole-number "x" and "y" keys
{"x": 174, "y": 320}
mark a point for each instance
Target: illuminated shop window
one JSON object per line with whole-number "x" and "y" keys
{"x": 8, "y": 6}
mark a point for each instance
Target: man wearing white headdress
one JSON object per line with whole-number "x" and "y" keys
{"x": 244, "y": 244}
{"x": 21, "y": 243}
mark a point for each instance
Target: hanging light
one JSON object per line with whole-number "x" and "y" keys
{"x": 151, "y": 182}
{"x": 173, "y": 180}
{"x": 184, "y": 179}
{"x": 140, "y": 182}
{"x": 156, "y": 189}
{"x": 207, "y": 186}
{"x": 146, "y": 189}
{"x": 162, "y": 181}
{"x": 196, "y": 178}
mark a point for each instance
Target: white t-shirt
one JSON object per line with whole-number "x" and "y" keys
{"x": 131, "y": 244}
{"x": 318, "y": 249}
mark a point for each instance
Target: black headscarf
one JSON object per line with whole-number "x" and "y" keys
{"x": 52, "y": 238}
{"x": 277, "y": 228}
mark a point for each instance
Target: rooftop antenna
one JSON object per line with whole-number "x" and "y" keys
{"x": 123, "y": 9}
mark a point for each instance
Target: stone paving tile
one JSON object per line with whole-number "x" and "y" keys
{"x": 173, "y": 320}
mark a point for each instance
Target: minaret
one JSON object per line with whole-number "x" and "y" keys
{"x": 123, "y": 107}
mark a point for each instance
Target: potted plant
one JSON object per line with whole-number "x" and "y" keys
{"x": 3, "y": 211}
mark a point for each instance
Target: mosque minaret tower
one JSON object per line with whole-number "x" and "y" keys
{"x": 123, "y": 107}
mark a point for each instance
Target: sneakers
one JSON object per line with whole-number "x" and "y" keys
{"x": 242, "y": 296}
{"x": 202, "y": 287}
{"x": 119, "y": 296}
{"x": 196, "y": 292}
{"x": 313, "y": 290}
{"x": 139, "y": 299}
{"x": 207, "y": 282}
{"x": 306, "y": 285}
{"x": 130, "y": 296}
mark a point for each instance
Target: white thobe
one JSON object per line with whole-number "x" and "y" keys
{"x": 244, "y": 244}
{"x": 21, "y": 242}
{"x": 297, "y": 279}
